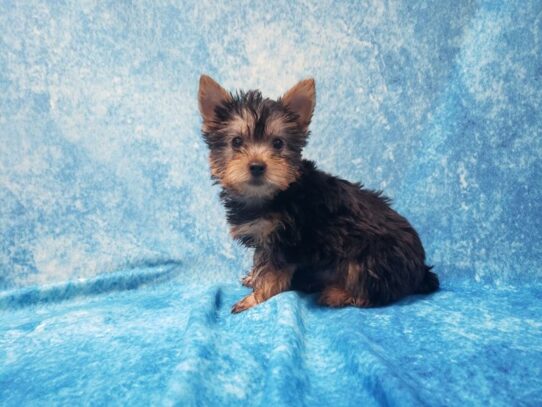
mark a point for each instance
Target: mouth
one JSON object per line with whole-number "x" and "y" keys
{"x": 258, "y": 188}
{"x": 256, "y": 182}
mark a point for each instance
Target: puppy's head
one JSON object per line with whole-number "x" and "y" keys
{"x": 255, "y": 143}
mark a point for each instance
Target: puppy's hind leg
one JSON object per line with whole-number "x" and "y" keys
{"x": 336, "y": 297}
{"x": 347, "y": 291}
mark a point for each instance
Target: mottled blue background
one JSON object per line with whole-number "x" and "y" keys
{"x": 102, "y": 169}
{"x": 102, "y": 163}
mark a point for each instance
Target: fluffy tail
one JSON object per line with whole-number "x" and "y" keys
{"x": 429, "y": 283}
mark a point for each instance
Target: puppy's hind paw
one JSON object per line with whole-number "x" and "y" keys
{"x": 336, "y": 297}
{"x": 248, "y": 302}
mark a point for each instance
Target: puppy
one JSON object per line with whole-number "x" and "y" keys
{"x": 310, "y": 230}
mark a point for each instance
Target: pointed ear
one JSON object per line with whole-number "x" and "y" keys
{"x": 301, "y": 100}
{"x": 210, "y": 95}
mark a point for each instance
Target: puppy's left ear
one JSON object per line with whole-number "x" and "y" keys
{"x": 210, "y": 95}
{"x": 301, "y": 100}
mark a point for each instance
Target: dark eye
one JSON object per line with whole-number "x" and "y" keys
{"x": 237, "y": 142}
{"x": 277, "y": 144}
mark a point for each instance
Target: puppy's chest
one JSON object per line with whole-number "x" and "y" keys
{"x": 257, "y": 232}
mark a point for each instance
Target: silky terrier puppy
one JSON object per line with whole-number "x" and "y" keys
{"x": 310, "y": 231}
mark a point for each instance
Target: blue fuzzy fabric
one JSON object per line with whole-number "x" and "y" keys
{"x": 116, "y": 271}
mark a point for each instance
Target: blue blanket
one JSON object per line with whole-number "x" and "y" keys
{"x": 116, "y": 271}
{"x": 140, "y": 342}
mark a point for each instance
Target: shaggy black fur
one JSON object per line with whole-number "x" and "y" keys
{"x": 326, "y": 222}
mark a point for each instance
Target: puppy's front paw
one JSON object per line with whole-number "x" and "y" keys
{"x": 248, "y": 302}
{"x": 247, "y": 280}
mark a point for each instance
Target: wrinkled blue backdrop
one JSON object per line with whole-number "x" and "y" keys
{"x": 102, "y": 163}
{"x": 102, "y": 167}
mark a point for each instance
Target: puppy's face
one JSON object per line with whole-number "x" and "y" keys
{"x": 255, "y": 143}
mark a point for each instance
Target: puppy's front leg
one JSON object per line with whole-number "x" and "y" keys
{"x": 269, "y": 282}
{"x": 259, "y": 262}
{"x": 247, "y": 280}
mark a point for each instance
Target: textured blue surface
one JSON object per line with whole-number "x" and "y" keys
{"x": 116, "y": 270}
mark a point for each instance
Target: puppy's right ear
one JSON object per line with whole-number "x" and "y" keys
{"x": 210, "y": 95}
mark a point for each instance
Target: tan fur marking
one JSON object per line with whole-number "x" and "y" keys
{"x": 236, "y": 173}
{"x": 240, "y": 125}
{"x": 275, "y": 126}
{"x": 215, "y": 169}
{"x": 353, "y": 271}
{"x": 269, "y": 283}
{"x": 247, "y": 280}
{"x": 259, "y": 230}
{"x": 334, "y": 296}
{"x": 210, "y": 95}
{"x": 278, "y": 174}
{"x": 248, "y": 302}
{"x": 301, "y": 99}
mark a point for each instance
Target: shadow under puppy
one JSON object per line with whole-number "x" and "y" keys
{"x": 310, "y": 230}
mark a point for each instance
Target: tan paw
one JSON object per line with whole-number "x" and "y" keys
{"x": 334, "y": 297}
{"x": 247, "y": 281}
{"x": 248, "y": 302}
{"x": 338, "y": 297}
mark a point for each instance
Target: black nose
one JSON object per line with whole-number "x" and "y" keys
{"x": 257, "y": 169}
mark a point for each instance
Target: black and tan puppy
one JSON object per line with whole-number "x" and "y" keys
{"x": 310, "y": 230}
